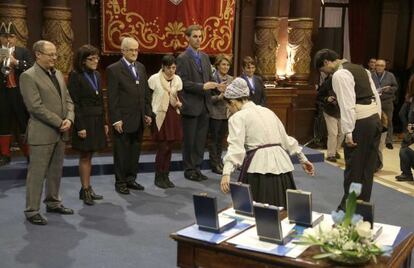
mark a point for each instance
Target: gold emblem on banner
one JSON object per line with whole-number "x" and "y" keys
{"x": 176, "y": 2}
{"x": 217, "y": 30}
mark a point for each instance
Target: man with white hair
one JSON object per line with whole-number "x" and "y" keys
{"x": 386, "y": 85}
{"x": 129, "y": 100}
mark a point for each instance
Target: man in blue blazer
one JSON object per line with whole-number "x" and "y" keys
{"x": 194, "y": 68}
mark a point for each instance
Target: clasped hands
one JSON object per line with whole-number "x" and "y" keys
{"x": 65, "y": 125}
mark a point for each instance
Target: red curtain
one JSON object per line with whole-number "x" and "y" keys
{"x": 159, "y": 25}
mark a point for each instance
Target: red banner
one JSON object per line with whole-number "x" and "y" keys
{"x": 159, "y": 25}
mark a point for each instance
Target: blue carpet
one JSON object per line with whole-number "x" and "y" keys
{"x": 103, "y": 165}
{"x": 133, "y": 231}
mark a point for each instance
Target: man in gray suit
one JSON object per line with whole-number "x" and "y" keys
{"x": 51, "y": 115}
{"x": 194, "y": 68}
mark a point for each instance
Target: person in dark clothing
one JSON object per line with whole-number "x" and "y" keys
{"x": 255, "y": 82}
{"x": 407, "y": 155}
{"x": 90, "y": 130}
{"x": 15, "y": 60}
{"x": 327, "y": 97}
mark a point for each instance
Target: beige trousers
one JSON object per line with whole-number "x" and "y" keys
{"x": 46, "y": 162}
{"x": 335, "y": 137}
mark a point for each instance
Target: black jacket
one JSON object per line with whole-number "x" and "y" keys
{"x": 25, "y": 59}
{"x": 128, "y": 101}
{"x": 324, "y": 92}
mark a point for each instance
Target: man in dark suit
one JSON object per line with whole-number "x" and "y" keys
{"x": 14, "y": 61}
{"x": 194, "y": 68}
{"x": 129, "y": 99}
{"x": 51, "y": 115}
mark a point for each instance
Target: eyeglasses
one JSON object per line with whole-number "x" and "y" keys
{"x": 93, "y": 58}
{"x": 52, "y": 55}
{"x": 131, "y": 50}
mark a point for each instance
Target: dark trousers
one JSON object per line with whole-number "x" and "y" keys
{"x": 12, "y": 108}
{"x": 195, "y": 130}
{"x": 361, "y": 161}
{"x": 126, "y": 150}
{"x": 388, "y": 109}
{"x": 406, "y": 160}
{"x": 163, "y": 156}
{"x": 218, "y": 130}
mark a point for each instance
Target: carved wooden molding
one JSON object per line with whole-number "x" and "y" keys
{"x": 299, "y": 48}
{"x": 16, "y": 13}
{"x": 266, "y": 45}
{"x": 57, "y": 29}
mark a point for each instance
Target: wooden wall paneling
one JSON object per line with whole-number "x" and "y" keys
{"x": 388, "y": 30}
{"x": 410, "y": 56}
{"x": 305, "y": 111}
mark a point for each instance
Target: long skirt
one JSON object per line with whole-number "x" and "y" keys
{"x": 270, "y": 188}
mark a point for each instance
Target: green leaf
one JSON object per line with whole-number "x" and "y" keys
{"x": 350, "y": 208}
{"x": 322, "y": 255}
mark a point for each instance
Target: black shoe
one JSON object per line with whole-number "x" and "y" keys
{"x": 37, "y": 220}
{"x": 94, "y": 195}
{"x": 169, "y": 183}
{"x": 217, "y": 169}
{"x": 404, "y": 177}
{"x": 85, "y": 195}
{"x": 192, "y": 175}
{"x": 159, "y": 180}
{"x": 389, "y": 146}
{"x": 60, "y": 210}
{"x": 135, "y": 186}
{"x": 4, "y": 160}
{"x": 202, "y": 176}
{"x": 337, "y": 155}
{"x": 331, "y": 159}
{"x": 122, "y": 189}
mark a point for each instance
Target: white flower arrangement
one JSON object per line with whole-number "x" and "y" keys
{"x": 350, "y": 240}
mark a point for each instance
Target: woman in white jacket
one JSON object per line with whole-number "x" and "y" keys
{"x": 167, "y": 126}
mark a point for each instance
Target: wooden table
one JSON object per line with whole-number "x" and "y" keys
{"x": 195, "y": 253}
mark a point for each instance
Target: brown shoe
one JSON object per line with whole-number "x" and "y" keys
{"x": 331, "y": 159}
{"x": 37, "y": 219}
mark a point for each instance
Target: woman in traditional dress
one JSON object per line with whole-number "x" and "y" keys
{"x": 259, "y": 144}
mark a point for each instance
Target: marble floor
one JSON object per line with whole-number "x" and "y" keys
{"x": 391, "y": 168}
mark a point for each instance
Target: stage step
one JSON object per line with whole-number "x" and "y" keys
{"x": 103, "y": 164}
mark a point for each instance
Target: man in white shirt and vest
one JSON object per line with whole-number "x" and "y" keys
{"x": 360, "y": 108}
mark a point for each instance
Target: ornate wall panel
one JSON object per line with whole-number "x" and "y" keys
{"x": 299, "y": 48}
{"x": 266, "y": 46}
{"x": 15, "y": 13}
{"x": 58, "y": 30}
{"x": 161, "y": 29}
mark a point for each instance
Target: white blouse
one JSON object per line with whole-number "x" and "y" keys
{"x": 252, "y": 127}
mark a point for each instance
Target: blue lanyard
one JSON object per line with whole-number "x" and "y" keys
{"x": 94, "y": 82}
{"x": 129, "y": 67}
{"x": 252, "y": 89}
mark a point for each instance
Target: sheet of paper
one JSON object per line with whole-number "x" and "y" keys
{"x": 388, "y": 235}
{"x": 250, "y": 241}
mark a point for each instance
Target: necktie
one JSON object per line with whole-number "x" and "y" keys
{"x": 52, "y": 75}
